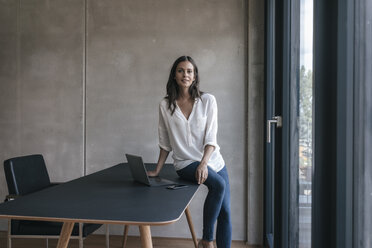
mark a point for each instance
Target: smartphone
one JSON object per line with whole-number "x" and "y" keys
{"x": 176, "y": 186}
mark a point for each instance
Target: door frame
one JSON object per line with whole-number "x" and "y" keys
{"x": 334, "y": 84}
{"x": 282, "y": 74}
{"x": 269, "y": 79}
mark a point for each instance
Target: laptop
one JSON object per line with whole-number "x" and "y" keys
{"x": 139, "y": 173}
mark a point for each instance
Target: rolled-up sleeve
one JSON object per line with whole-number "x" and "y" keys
{"x": 211, "y": 125}
{"x": 164, "y": 142}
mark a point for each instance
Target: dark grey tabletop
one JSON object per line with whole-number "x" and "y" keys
{"x": 108, "y": 196}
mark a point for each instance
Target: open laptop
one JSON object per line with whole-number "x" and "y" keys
{"x": 139, "y": 172}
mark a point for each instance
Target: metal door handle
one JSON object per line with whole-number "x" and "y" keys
{"x": 276, "y": 120}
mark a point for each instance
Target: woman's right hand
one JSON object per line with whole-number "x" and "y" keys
{"x": 152, "y": 173}
{"x": 163, "y": 154}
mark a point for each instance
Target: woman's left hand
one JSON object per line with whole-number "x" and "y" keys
{"x": 201, "y": 173}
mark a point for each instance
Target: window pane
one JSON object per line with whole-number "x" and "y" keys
{"x": 305, "y": 122}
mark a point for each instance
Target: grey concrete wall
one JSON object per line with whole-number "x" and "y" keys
{"x": 255, "y": 146}
{"x": 40, "y": 84}
{"x": 81, "y": 81}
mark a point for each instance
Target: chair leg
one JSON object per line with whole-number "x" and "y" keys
{"x": 81, "y": 235}
{"x": 47, "y": 243}
{"x": 107, "y": 236}
{"x": 191, "y": 226}
{"x": 125, "y": 235}
{"x": 9, "y": 233}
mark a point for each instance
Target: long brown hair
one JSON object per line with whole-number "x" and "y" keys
{"x": 173, "y": 88}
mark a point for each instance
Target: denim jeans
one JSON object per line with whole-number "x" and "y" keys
{"x": 216, "y": 205}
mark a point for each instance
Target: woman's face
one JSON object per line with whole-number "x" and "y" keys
{"x": 184, "y": 74}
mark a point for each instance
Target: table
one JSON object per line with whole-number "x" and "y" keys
{"x": 109, "y": 196}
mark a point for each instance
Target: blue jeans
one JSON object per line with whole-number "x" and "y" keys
{"x": 216, "y": 205}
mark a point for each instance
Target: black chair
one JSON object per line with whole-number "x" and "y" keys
{"x": 28, "y": 174}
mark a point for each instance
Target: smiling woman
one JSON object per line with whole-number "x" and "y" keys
{"x": 188, "y": 127}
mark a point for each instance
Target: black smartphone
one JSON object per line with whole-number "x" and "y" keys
{"x": 176, "y": 186}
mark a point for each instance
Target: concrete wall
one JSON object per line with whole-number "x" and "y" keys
{"x": 80, "y": 82}
{"x": 255, "y": 141}
{"x": 41, "y": 92}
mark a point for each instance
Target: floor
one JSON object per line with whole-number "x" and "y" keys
{"x": 98, "y": 241}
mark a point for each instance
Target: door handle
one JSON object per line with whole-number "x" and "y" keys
{"x": 276, "y": 120}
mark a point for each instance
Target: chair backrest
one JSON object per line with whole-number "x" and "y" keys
{"x": 26, "y": 174}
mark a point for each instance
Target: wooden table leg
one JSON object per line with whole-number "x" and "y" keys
{"x": 125, "y": 235}
{"x": 107, "y": 236}
{"x": 64, "y": 238}
{"x": 191, "y": 226}
{"x": 145, "y": 233}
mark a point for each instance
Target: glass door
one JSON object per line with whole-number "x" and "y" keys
{"x": 289, "y": 123}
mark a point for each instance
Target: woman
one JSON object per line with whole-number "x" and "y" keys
{"x": 188, "y": 127}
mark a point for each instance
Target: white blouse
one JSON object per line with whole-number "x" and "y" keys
{"x": 187, "y": 138}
